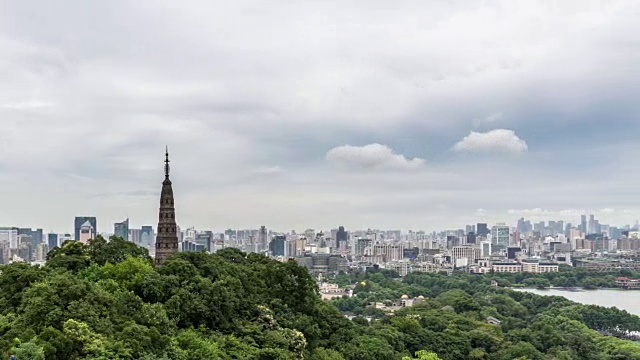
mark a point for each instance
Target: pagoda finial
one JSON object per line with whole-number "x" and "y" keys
{"x": 166, "y": 163}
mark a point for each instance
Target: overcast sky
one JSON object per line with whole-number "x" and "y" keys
{"x": 313, "y": 114}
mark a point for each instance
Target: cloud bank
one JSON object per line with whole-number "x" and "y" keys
{"x": 372, "y": 156}
{"x": 494, "y": 141}
{"x": 257, "y": 102}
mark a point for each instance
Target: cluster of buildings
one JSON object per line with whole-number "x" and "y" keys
{"x": 527, "y": 247}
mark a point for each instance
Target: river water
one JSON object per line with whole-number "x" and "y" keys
{"x": 622, "y": 299}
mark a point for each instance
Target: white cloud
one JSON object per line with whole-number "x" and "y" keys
{"x": 495, "y": 141}
{"x": 372, "y": 156}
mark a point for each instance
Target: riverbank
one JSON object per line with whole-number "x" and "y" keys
{"x": 627, "y": 300}
{"x": 569, "y": 289}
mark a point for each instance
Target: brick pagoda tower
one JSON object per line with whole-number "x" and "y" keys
{"x": 167, "y": 238}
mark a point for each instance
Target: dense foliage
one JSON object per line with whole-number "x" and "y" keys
{"x": 106, "y": 300}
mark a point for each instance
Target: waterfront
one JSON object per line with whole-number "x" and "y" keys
{"x": 628, "y": 300}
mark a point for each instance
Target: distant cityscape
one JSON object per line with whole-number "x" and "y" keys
{"x": 372, "y": 246}
{"x": 478, "y": 248}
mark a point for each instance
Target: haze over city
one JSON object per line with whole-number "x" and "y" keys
{"x": 424, "y": 115}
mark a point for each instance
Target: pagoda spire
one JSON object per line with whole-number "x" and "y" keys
{"x": 166, "y": 163}
{"x": 167, "y": 238}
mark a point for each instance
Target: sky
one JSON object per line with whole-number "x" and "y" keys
{"x": 426, "y": 114}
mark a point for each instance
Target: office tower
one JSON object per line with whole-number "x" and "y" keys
{"x": 167, "y": 240}
{"x": 362, "y": 245}
{"x": 482, "y": 229}
{"x": 591, "y": 228}
{"x": 9, "y": 235}
{"x": 597, "y": 228}
{"x": 135, "y": 236}
{"x": 36, "y": 235}
{"x": 485, "y": 247}
{"x": 567, "y": 230}
{"x": 500, "y": 234}
{"x": 277, "y": 245}
{"x": 263, "y": 239}
{"x": 146, "y": 235}
{"x": 25, "y": 247}
{"x": 87, "y": 232}
{"x": 203, "y": 241}
{"x": 52, "y": 241}
{"x": 470, "y": 229}
{"x": 583, "y": 224}
{"x": 80, "y": 221}
{"x": 342, "y": 238}
{"x": 41, "y": 251}
{"x": 121, "y": 229}
{"x": 471, "y": 238}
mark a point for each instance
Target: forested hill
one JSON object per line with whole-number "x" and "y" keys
{"x": 106, "y": 300}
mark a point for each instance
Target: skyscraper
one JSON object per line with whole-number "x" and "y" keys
{"x": 167, "y": 239}
{"x": 146, "y": 236}
{"x": 52, "y": 241}
{"x": 80, "y": 220}
{"x": 482, "y": 229}
{"x": 342, "y": 237}
{"x": 87, "y": 232}
{"x": 500, "y": 234}
{"x": 121, "y": 229}
{"x": 277, "y": 245}
{"x": 263, "y": 240}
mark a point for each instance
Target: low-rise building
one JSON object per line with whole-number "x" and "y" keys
{"x": 404, "y": 301}
{"x": 526, "y": 265}
{"x": 507, "y": 267}
{"x": 333, "y": 291}
{"x": 627, "y": 283}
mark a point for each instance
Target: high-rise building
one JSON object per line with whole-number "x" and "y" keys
{"x": 52, "y": 241}
{"x": 485, "y": 246}
{"x": 277, "y": 245}
{"x": 25, "y": 247}
{"x": 482, "y": 229}
{"x": 592, "y": 224}
{"x": 80, "y": 221}
{"x": 36, "y": 235}
{"x": 470, "y": 229}
{"x": 500, "y": 234}
{"x": 471, "y": 238}
{"x": 146, "y": 236}
{"x": 263, "y": 239}
{"x": 167, "y": 240}
{"x": 9, "y": 236}
{"x": 135, "y": 236}
{"x": 87, "y": 232}
{"x": 583, "y": 223}
{"x": 121, "y": 229}
{"x": 342, "y": 238}
{"x": 204, "y": 240}
{"x": 361, "y": 245}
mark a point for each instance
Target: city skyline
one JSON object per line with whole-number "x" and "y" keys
{"x": 111, "y": 228}
{"x": 373, "y": 116}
